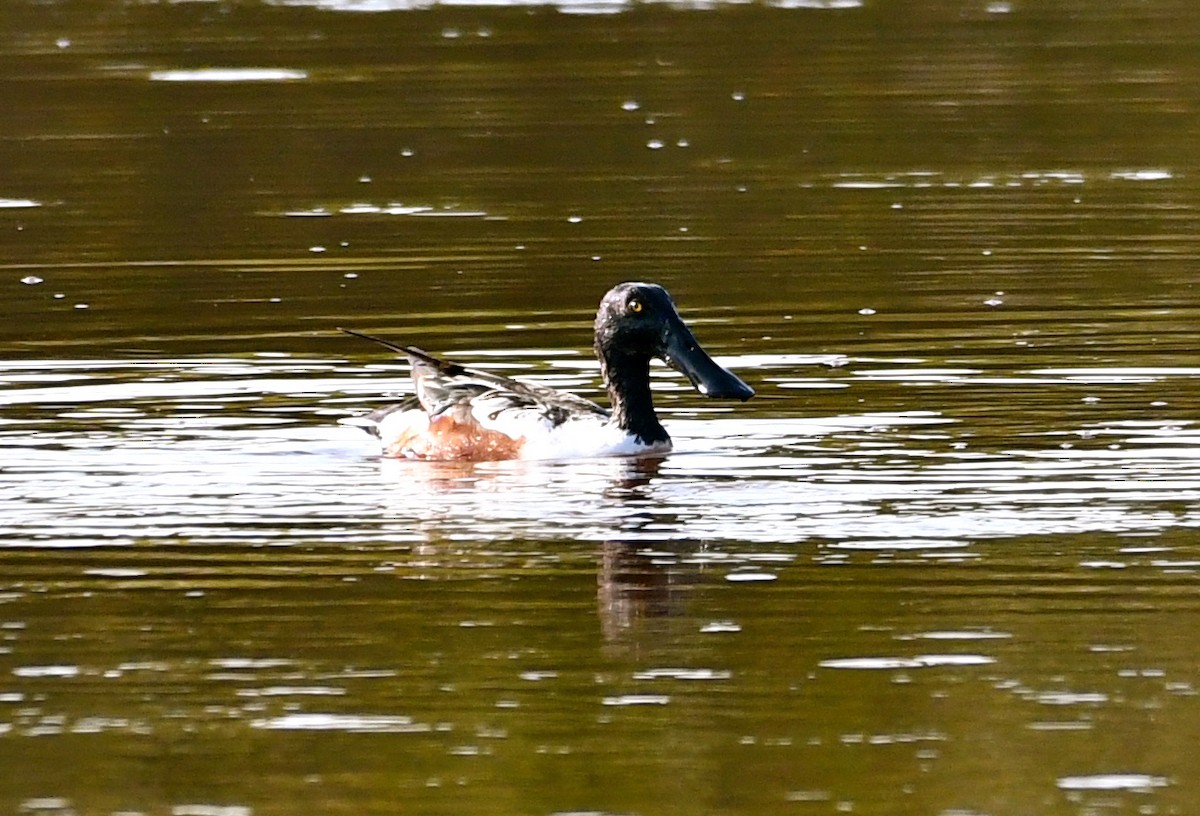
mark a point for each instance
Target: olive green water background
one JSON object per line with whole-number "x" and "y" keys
{"x": 945, "y": 563}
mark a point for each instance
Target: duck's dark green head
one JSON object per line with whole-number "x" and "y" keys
{"x": 637, "y": 321}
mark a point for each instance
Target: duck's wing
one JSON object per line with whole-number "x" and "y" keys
{"x": 372, "y": 421}
{"x": 442, "y": 386}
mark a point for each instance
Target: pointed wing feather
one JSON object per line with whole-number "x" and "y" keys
{"x": 441, "y": 385}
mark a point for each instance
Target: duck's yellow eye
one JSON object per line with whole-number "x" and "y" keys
{"x": 635, "y": 306}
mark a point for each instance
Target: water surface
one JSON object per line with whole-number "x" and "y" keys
{"x": 944, "y": 563}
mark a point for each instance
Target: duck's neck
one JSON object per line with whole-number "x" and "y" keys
{"x": 628, "y": 381}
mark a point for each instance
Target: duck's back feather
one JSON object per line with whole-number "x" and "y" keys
{"x": 441, "y": 384}
{"x": 460, "y": 412}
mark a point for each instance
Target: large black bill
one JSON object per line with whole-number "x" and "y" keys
{"x": 684, "y": 354}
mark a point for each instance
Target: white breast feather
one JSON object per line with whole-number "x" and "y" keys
{"x": 581, "y": 436}
{"x": 398, "y": 423}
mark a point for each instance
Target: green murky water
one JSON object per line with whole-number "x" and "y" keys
{"x": 946, "y": 562}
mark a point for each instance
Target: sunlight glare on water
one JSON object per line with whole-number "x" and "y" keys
{"x": 176, "y": 426}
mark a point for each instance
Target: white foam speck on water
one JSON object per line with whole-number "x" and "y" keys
{"x": 44, "y": 803}
{"x": 870, "y": 663}
{"x": 901, "y": 544}
{"x": 210, "y": 810}
{"x": 46, "y": 671}
{"x": 1113, "y": 781}
{"x": 955, "y": 660}
{"x": 1103, "y": 564}
{"x": 115, "y": 572}
{"x": 923, "y": 179}
{"x": 818, "y": 5}
{"x": 432, "y": 213}
{"x": 918, "y": 662}
{"x": 351, "y": 723}
{"x": 228, "y": 75}
{"x": 750, "y": 577}
{"x": 966, "y": 634}
{"x": 637, "y": 699}
{"x": 535, "y": 676}
{"x": 293, "y": 691}
{"x": 18, "y": 203}
{"x": 1063, "y": 698}
{"x": 564, "y": 6}
{"x": 1143, "y": 175}
{"x": 683, "y": 674}
{"x": 247, "y": 663}
{"x": 1070, "y": 725}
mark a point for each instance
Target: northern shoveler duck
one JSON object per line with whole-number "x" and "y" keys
{"x": 460, "y": 413}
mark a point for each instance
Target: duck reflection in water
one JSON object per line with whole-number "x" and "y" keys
{"x": 639, "y": 580}
{"x": 464, "y": 414}
{"x": 638, "y": 584}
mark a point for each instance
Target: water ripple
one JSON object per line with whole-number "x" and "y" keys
{"x": 221, "y": 450}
